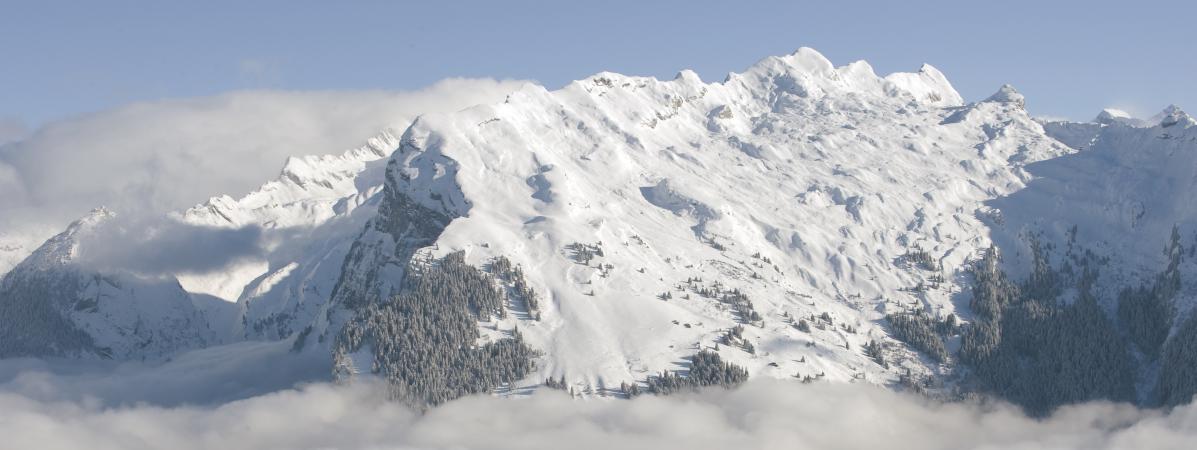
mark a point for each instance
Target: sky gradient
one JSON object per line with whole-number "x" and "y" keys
{"x": 1070, "y": 58}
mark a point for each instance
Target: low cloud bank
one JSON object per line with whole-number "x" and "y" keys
{"x": 762, "y": 414}
{"x": 166, "y": 246}
{"x": 208, "y": 377}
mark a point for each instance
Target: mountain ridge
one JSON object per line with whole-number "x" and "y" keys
{"x": 778, "y": 219}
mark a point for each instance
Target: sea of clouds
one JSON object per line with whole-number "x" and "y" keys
{"x": 47, "y": 406}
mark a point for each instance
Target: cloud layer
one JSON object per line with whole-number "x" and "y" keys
{"x": 209, "y": 377}
{"x": 762, "y": 414}
{"x": 148, "y": 158}
{"x": 167, "y": 246}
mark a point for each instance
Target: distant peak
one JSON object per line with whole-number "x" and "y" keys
{"x": 1172, "y": 115}
{"x": 100, "y": 211}
{"x": 61, "y": 249}
{"x": 1111, "y": 115}
{"x": 95, "y": 216}
{"x": 688, "y": 76}
{"x": 1007, "y": 94}
{"x": 928, "y": 84}
{"x": 932, "y": 72}
{"x": 91, "y": 219}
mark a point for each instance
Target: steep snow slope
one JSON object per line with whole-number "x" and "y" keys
{"x": 1104, "y": 239}
{"x": 805, "y": 186}
{"x": 1124, "y": 194}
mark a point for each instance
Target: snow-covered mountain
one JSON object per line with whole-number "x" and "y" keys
{"x": 309, "y": 216}
{"x": 801, "y": 185}
{"x": 313, "y": 211}
{"x": 775, "y": 219}
{"x": 53, "y": 306}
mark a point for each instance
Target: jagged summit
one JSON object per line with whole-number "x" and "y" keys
{"x": 806, "y": 72}
{"x": 1085, "y": 135}
{"x": 1170, "y": 116}
{"x": 309, "y": 190}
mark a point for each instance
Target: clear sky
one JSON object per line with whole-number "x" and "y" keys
{"x": 59, "y": 59}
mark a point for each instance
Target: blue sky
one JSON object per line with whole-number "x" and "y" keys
{"x": 1071, "y": 59}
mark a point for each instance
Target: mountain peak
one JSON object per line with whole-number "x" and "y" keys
{"x": 62, "y": 248}
{"x": 809, "y": 59}
{"x": 688, "y": 76}
{"x": 1172, "y": 115}
{"x": 808, "y": 72}
{"x": 1007, "y": 94}
{"x": 98, "y": 213}
{"x": 1112, "y": 115}
{"x": 94, "y": 217}
{"x": 927, "y": 84}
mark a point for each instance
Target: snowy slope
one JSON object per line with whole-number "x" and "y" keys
{"x": 833, "y": 174}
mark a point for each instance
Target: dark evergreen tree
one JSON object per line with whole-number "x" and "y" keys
{"x": 423, "y": 339}
{"x": 873, "y": 351}
{"x": 706, "y": 369}
{"x": 1146, "y": 312}
{"x": 1177, "y": 382}
{"x": 1038, "y": 352}
{"x": 921, "y": 331}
